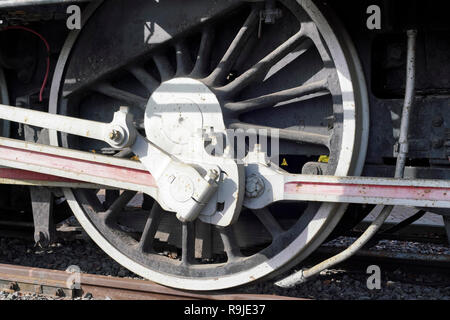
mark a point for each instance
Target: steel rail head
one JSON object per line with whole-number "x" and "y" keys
{"x": 113, "y": 287}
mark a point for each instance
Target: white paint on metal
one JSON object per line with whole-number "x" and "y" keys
{"x": 177, "y": 115}
{"x": 24, "y": 163}
{"x": 71, "y": 153}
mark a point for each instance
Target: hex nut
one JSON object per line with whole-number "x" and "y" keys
{"x": 254, "y": 186}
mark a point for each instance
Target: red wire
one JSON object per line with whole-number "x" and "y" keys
{"x": 44, "y": 83}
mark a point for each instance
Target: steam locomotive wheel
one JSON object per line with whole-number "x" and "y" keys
{"x": 289, "y": 68}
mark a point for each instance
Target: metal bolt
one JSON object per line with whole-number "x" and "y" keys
{"x": 115, "y": 135}
{"x": 213, "y": 174}
{"x": 312, "y": 168}
{"x": 254, "y": 186}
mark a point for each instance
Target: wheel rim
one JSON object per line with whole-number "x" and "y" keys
{"x": 312, "y": 226}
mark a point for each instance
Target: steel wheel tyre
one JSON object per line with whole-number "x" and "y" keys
{"x": 345, "y": 92}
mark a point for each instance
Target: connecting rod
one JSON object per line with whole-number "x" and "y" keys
{"x": 181, "y": 188}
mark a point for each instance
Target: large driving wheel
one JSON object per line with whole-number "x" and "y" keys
{"x": 289, "y": 66}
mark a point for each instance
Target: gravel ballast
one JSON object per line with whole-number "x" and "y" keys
{"x": 341, "y": 283}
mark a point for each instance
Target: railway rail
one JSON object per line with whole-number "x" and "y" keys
{"x": 66, "y": 285}
{"x": 61, "y": 284}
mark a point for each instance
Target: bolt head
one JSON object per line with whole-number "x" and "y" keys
{"x": 312, "y": 169}
{"x": 115, "y": 135}
{"x": 213, "y": 174}
{"x": 254, "y": 186}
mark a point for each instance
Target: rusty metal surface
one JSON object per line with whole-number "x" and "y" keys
{"x": 54, "y": 282}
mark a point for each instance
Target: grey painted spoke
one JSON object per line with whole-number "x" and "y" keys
{"x": 188, "y": 243}
{"x": 184, "y": 61}
{"x": 130, "y": 99}
{"x": 246, "y": 52}
{"x": 230, "y": 244}
{"x": 259, "y": 70}
{"x": 314, "y": 34}
{"x": 110, "y": 197}
{"x": 289, "y": 58}
{"x": 204, "y": 53}
{"x": 204, "y": 234}
{"x": 269, "y": 222}
{"x": 235, "y": 48}
{"x": 150, "y": 229}
{"x": 114, "y": 210}
{"x": 273, "y": 99}
{"x": 164, "y": 67}
{"x": 145, "y": 78}
{"x": 287, "y": 134}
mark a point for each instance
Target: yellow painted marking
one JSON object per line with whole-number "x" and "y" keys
{"x": 324, "y": 159}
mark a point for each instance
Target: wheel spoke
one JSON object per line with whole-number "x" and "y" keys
{"x": 184, "y": 61}
{"x": 273, "y": 99}
{"x": 164, "y": 67}
{"x": 144, "y": 78}
{"x": 313, "y": 33}
{"x": 269, "y": 222}
{"x": 230, "y": 244}
{"x": 286, "y": 134}
{"x": 130, "y": 99}
{"x": 259, "y": 70}
{"x": 150, "y": 229}
{"x": 289, "y": 58}
{"x": 114, "y": 210}
{"x": 110, "y": 197}
{"x": 279, "y": 69}
{"x": 235, "y": 48}
{"x": 188, "y": 243}
{"x": 204, "y": 54}
{"x": 204, "y": 235}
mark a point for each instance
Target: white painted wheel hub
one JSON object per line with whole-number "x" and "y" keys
{"x": 177, "y": 110}
{"x": 177, "y": 114}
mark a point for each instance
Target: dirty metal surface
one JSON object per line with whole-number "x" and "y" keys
{"x": 55, "y": 282}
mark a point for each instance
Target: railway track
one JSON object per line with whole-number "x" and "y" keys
{"x": 69, "y": 285}
{"x": 431, "y": 264}
{"x": 55, "y": 282}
